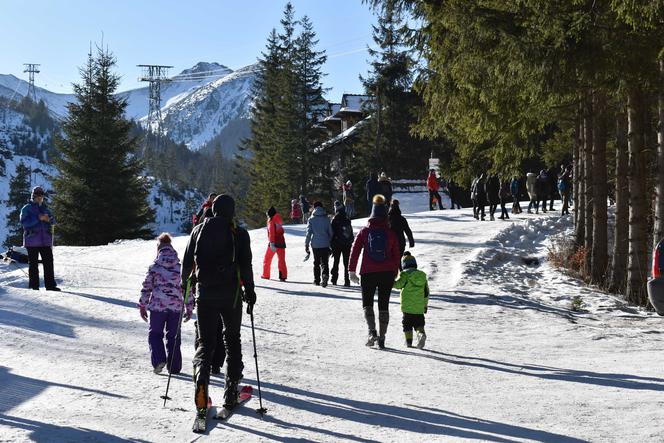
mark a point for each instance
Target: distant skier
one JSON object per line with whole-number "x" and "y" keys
{"x": 38, "y": 222}
{"x": 505, "y": 196}
{"x": 493, "y": 195}
{"x": 342, "y": 240}
{"x": 221, "y": 254}
{"x": 433, "y": 187}
{"x": 414, "y": 299}
{"x": 349, "y": 199}
{"x": 380, "y": 262}
{"x": 276, "y": 245}
{"x": 206, "y": 209}
{"x": 531, "y": 180}
{"x": 163, "y": 297}
{"x": 385, "y": 187}
{"x": 304, "y": 204}
{"x": 399, "y": 225}
{"x": 319, "y": 235}
{"x": 372, "y": 188}
{"x": 515, "y": 190}
{"x": 296, "y": 211}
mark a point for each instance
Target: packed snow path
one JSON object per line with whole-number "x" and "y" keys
{"x": 506, "y": 359}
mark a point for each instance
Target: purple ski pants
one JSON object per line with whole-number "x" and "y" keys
{"x": 169, "y": 320}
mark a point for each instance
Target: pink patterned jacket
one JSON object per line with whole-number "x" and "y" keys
{"x": 161, "y": 287}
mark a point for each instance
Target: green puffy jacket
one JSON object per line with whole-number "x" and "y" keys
{"x": 414, "y": 291}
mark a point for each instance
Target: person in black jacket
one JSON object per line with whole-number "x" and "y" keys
{"x": 372, "y": 188}
{"x": 493, "y": 195}
{"x": 385, "y": 187}
{"x": 221, "y": 254}
{"x": 542, "y": 190}
{"x": 399, "y": 225}
{"x": 505, "y": 196}
{"x": 342, "y": 240}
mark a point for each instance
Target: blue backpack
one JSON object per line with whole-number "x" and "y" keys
{"x": 377, "y": 245}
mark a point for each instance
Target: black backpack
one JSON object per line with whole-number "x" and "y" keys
{"x": 215, "y": 253}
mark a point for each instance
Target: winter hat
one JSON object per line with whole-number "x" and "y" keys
{"x": 271, "y": 212}
{"x": 408, "y": 261}
{"x": 223, "y": 206}
{"x": 338, "y": 206}
{"x": 164, "y": 239}
{"x": 318, "y": 204}
{"x": 379, "y": 209}
{"x": 37, "y": 191}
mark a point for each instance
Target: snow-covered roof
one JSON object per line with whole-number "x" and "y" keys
{"x": 342, "y": 136}
{"x": 353, "y": 102}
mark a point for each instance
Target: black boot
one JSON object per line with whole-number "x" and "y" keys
{"x": 230, "y": 394}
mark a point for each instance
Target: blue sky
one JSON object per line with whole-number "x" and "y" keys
{"x": 57, "y": 34}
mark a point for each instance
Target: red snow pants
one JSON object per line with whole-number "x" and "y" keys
{"x": 281, "y": 258}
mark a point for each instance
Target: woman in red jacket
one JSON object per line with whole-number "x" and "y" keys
{"x": 380, "y": 262}
{"x": 276, "y": 245}
{"x": 433, "y": 187}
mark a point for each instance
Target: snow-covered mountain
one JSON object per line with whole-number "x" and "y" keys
{"x": 207, "y": 101}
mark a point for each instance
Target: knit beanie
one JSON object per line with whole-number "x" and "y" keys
{"x": 408, "y": 261}
{"x": 379, "y": 209}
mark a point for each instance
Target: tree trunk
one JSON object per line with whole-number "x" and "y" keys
{"x": 599, "y": 259}
{"x": 580, "y": 189}
{"x": 578, "y": 140}
{"x": 588, "y": 180}
{"x": 637, "y": 266}
{"x": 621, "y": 228}
{"x": 658, "y": 229}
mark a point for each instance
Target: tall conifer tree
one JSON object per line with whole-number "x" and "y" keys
{"x": 19, "y": 195}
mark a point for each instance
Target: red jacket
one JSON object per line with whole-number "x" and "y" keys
{"x": 275, "y": 231}
{"x": 391, "y": 263}
{"x": 432, "y": 182}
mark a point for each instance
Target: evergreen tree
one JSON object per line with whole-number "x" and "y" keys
{"x": 19, "y": 195}
{"x": 100, "y": 193}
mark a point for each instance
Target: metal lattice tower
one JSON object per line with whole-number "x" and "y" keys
{"x": 32, "y": 69}
{"x": 155, "y": 75}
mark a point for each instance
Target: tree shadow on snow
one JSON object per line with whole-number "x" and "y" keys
{"x": 35, "y": 323}
{"x": 45, "y": 432}
{"x": 410, "y": 419}
{"x": 621, "y": 381}
{"x": 101, "y": 298}
{"x": 17, "y": 389}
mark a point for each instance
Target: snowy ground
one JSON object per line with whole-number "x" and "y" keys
{"x": 506, "y": 359}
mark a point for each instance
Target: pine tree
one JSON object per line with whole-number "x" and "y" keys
{"x": 19, "y": 195}
{"x": 100, "y": 193}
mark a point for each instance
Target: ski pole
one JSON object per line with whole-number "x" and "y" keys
{"x": 177, "y": 335}
{"x": 261, "y": 410}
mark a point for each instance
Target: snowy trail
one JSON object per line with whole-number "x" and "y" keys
{"x": 506, "y": 359}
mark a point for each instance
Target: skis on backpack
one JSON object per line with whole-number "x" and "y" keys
{"x": 243, "y": 396}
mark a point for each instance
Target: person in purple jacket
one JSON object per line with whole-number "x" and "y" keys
{"x": 38, "y": 222}
{"x": 162, "y": 296}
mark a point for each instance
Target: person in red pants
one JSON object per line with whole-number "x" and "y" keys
{"x": 276, "y": 245}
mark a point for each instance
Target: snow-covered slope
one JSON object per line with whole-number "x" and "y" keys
{"x": 504, "y": 361}
{"x": 197, "y": 104}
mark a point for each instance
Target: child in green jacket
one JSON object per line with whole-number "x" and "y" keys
{"x": 414, "y": 299}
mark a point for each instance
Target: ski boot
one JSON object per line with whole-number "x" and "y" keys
{"x": 160, "y": 367}
{"x": 230, "y": 394}
{"x": 421, "y": 339}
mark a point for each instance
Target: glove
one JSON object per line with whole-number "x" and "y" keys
{"x": 411, "y": 244}
{"x": 354, "y": 278}
{"x": 249, "y": 297}
{"x": 187, "y": 316}
{"x": 144, "y": 313}
{"x": 273, "y": 248}
{"x": 306, "y": 249}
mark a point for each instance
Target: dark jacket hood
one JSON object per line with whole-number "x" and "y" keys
{"x": 224, "y": 206}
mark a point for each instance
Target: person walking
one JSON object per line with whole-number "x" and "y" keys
{"x": 480, "y": 197}
{"x": 453, "y": 189}
{"x": 349, "y": 199}
{"x": 276, "y": 245}
{"x": 542, "y": 189}
{"x": 380, "y": 261}
{"x": 37, "y": 222}
{"x": 220, "y": 252}
{"x": 372, "y": 188}
{"x": 399, "y": 225}
{"x": 319, "y": 236}
{"x": 531, "y": 180}
{"x": 552, "y": 186}
{"x": 504, "y": 198}
{"x": 414, "y": 299}
{"x": 515, "y": 190}
{"x": 493, "y": 195}
{"x": 162, "y": 296}
{"x": 565, "y": 188}
{"x": 304, "y": 204}
{"x": 385, "y": 187}
{"x": 296, "y": 211}
{"x": 433, "y": 187}
{"x": 342, "y": 240}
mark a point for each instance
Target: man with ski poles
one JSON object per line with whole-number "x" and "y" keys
{"x": 221, "y": 253}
